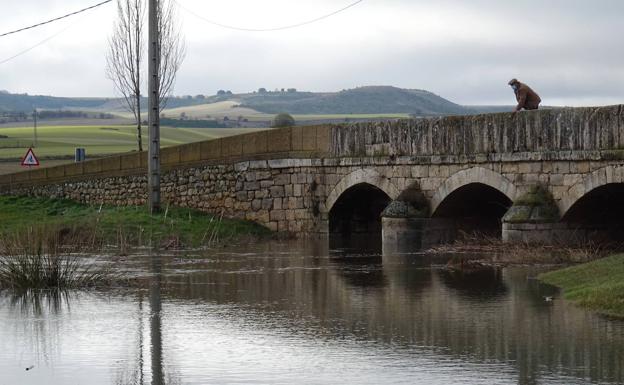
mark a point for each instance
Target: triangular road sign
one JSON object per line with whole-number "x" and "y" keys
{"x": 30, "y": 159}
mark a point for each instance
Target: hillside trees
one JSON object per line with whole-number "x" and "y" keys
{"x": 126, "y": 51}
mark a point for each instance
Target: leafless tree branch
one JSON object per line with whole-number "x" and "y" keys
{"x": 124, "y": 59}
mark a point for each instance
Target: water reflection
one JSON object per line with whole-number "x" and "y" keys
{"x": 482, "y": 283}
{"x": 35, "y": 303}
{"x": 303, "y": 313}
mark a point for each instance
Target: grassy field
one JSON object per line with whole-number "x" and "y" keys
{"x": 214, "y": 110}
{"x": 131, "y": 225}
{"x": 229, "y": 108}
{"x": 597, "y": 285}
{"x": 97, "y": 140}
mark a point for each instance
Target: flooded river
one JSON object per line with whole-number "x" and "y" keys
{"x": 301, "y": 313}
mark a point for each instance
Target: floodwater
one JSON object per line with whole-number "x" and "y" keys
{"x": 300, "y": 313}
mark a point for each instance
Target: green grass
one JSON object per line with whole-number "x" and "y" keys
{"x": 97, "y": 140}
{"x": 597, "y": 285}
{"x": 129, "y": 225}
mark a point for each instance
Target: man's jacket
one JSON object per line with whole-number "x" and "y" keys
{"x": 527, "y": 98}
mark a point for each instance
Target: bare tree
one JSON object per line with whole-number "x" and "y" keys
{"x": 124, "y": 60}
{"x": 125, "y": 57}
{"x": 172, "y": 50}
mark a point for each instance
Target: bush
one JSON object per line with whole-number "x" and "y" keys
{"x": 283, "y": 120}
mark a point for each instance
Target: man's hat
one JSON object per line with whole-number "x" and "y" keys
{"x": 513, "y": 81}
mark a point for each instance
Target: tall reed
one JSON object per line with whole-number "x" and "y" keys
{"x": 44, "y": 257}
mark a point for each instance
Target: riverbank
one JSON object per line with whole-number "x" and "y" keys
{"x": 124, "y": 227}
{"x": 597, "y": 285}
{"x": 493, "y": 251}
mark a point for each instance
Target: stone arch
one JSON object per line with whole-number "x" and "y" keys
{"x": 473, "y": 175}
{"x": 598, "y": 178}
{"x": 369, "y": 176}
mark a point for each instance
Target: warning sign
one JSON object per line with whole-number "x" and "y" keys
{"x": 30, "y": 159}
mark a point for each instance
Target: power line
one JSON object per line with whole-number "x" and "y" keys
{"x": 268, "y": 29}
{"x": 55, "y": 19}
{"x": 36, "y": 45}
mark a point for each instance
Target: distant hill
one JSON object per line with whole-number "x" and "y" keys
{"x": 27, "y": 103}
{"x": 361, "y": 100}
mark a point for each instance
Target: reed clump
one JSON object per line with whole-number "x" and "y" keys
{"x": 48, "y": 257}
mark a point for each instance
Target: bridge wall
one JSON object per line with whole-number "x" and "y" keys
{"x": 288, "y": 179}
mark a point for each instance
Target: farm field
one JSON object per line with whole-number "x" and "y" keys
{"x": 61, "y": 141}
{"x": 230, "y": 109}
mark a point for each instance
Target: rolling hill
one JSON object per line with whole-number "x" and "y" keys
{"x": 361, "y": 100}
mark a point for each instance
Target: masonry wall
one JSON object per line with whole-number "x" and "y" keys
{"x": 283, "y": 178}
{"x": 543, "y": 131}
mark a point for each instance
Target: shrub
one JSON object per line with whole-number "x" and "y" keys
{"x": 283, "y": 120}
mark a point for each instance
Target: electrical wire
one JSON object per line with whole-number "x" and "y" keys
{"x": 38, "y": 44}
{"x": 268, "y": 29}
{"x": 55, "y": 19}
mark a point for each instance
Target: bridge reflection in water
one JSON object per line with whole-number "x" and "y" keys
{"x": 298, "y": 312}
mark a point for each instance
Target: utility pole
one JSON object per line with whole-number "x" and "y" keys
{"x": 153, "y": 152}
{"x": 35, "y": 127}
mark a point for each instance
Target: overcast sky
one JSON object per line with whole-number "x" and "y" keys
{"x": 569, "y": 51}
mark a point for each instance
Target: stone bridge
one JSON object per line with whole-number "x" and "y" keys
{"x": 535, "y": 176}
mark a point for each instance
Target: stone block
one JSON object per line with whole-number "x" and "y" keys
{"x": 277, "y": 215}
{"x": 308, "y": 142}
{"x": 420, "y": 171}
{"x": 556, "y": 180}
{"x": 323, "y": 139}
{"x": 74, "y": 169}
{"x": 296, "y": 138}
{"x": 55, "y": 172}
{"x": 210, "y": 149}
{"x": 277, "y": 191}
{"x": 524, "y": 168}
{"x": 258, "y": 164}
{"x": 281, "y": 179}
{"x": 266, "y": 183}
{"x": 170, "y": 155}
{"x": 91, "y": 167}
{"x": 267, "y": 204}
{"x": 580, "y": 167}
{"x": 561, "y": 167}
{"x": 572, "y": 179}
{"x": 37, "y": 174}
{"x": 190, "y": 152}
{"x": 510, "y": 168}
{"x": 531, "y": 178}
{"x": 111, "y": 163}
{"x": 232, "y": 146}
{"x": 241, "y": 166}
{"x": 131, "y": 161}
{"x": 255, "y": 143}
{"x": 279, "y": 140}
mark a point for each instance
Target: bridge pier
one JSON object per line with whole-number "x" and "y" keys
{"x": 403, "y": 235}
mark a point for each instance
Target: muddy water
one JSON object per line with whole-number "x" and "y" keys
{"x": 300, "y": 313}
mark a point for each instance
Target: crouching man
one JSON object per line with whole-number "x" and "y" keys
{"x": 526, "y": 97}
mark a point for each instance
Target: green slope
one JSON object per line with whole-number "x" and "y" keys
{"x": 97, "y": 140}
